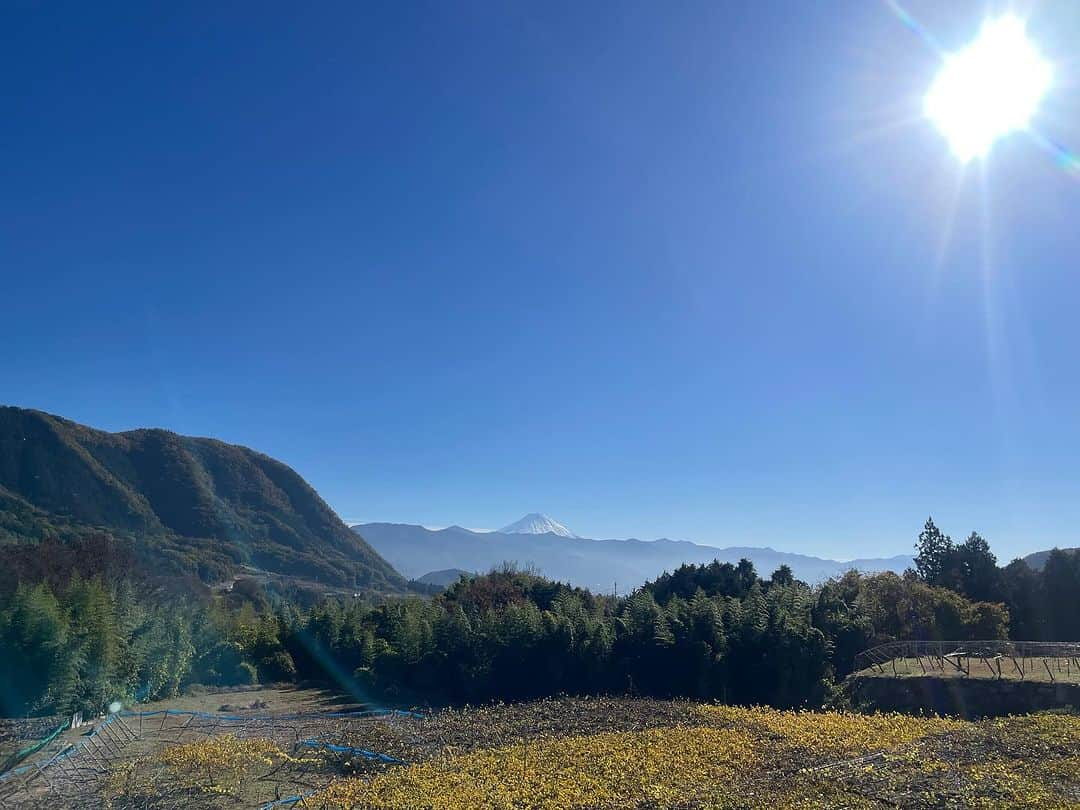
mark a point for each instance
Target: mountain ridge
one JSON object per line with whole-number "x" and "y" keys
{"x": 195, "y": 502}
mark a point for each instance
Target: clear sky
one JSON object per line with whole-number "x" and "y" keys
{"x": 696, "y": 269}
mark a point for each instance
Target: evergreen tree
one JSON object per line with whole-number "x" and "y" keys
{"x": 782, "y": 576}
{"x": 974, "y": 570}
{"x": 1061, "y": 584}
{"x": 37, "y": 673}
{"x": 932, "y": 553}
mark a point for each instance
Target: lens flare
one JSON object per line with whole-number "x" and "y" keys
{"x": 905, "y": 17}
{"x": 989, "y": 90}
{"x": 1069, "y": 161}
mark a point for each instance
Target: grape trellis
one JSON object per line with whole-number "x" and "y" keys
{"x": 1054, "y": 660}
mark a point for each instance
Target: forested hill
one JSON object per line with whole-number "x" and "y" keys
{"x": 1037, "y": 560}
{"x": 203, "y": 504}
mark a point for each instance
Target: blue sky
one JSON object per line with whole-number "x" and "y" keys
{"x": 654, "y": 269}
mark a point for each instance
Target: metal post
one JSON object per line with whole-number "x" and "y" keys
{"x": 48, "y": 783}
{"x": 91, "y": 745}
{"x": 101, "y": 733}
{"x": 183, "y": 728}
{"x": 127, "y": 729}
{"x": 117, "y": 738}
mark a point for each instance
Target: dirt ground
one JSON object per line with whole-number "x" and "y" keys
{"x": 78, "y": 761}
{"x": 284, "y": 698}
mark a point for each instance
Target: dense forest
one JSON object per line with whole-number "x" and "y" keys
{"x": 81, "y": 628}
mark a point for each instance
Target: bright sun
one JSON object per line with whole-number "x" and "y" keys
{"x": 989, "y": 89}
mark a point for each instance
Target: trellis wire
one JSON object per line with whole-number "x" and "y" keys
{"x": 950, "y": 651}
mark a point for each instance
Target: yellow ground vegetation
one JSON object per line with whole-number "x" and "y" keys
{"x": 697, "y": 756}
{"x": 835, "y": 733}
{"x": 663, "y": 767}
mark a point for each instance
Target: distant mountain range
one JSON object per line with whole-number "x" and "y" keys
{"x": 595, "y": 564}
{"x": 191, "y": 505}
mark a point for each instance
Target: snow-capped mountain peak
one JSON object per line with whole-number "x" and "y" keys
{"x": 535, "y": 523}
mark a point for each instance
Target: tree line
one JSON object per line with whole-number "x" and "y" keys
{"x": 1043, "y": 604}
{"x": 715, "y": 631}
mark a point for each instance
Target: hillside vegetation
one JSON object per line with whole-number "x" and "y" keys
{"x": 192, "y": 504}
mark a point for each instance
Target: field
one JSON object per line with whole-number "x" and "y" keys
{"x": 297, "y": 748}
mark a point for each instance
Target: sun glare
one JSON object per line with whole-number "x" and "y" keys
{"x": 989, "y": 89}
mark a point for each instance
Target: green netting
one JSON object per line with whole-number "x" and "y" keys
{"x": 32, "y": 749}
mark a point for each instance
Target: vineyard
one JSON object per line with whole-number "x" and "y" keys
{"x": 560, "y": 753}
{"x": 1050, "y": 662}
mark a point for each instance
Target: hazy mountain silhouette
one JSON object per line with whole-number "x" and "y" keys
{"x": 595, "y": 564}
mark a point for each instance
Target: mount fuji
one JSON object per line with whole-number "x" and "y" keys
{"x": 536, "y": 523}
